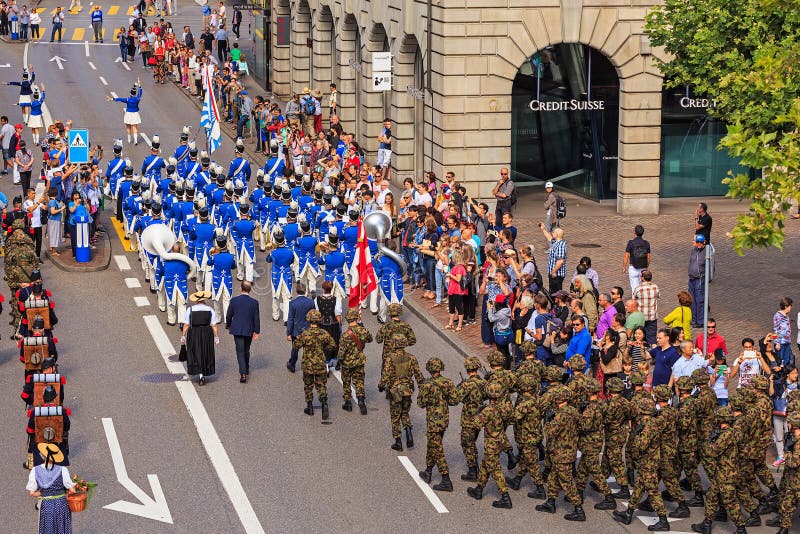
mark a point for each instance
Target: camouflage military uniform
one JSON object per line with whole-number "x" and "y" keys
{"x": 761, "y": 409}
{"x": 314, "y": 341}
{"x": 644, "y": 444}
{"x": 577, "y": 383}
{"x": 743, "y": 427}
{"x": 553, "y": 375}
{"x": 705, "y": 402}
{"x": 687, "y": 434}
{"x": 394, "y": 335}
{"x": 20, "y": 262}
{"x": 399, "y": 371}
{"x": 616, "y": 416}
{"x": 723, "y": 447}
{"x": 590, "y": 441}
{"x": 528, "y": 429}
{"x": 352, "y": 359}
{"x": 472, "y": 393}
{"x": 436, "y": 396}
{"x": 790, "y": 489}
{"x": 508, "y": 381}
{"x": 493, "y": 421}
{"x": 531, "y": 365}
{"x": 562, "y": 449}
{"x": 668, "y": 442}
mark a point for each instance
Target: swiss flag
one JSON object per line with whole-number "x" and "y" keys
{"x": 363, "y": 273}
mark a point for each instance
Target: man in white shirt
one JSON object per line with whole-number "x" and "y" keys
{"x": 33, "y": 208}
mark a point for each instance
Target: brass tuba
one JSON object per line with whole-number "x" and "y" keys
{"x": 158, "y": 239}
{"x": 378, "y": 226}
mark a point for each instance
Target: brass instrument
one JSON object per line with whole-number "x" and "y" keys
{"x": 378, "y": 226}
{"x": 158, "y": 239}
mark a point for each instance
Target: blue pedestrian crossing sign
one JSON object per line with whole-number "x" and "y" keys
{"x": 79, "y": 146}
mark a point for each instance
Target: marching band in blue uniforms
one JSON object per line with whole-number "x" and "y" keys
{"x": 239, "y": 168}
{"x": 222, "y": 263}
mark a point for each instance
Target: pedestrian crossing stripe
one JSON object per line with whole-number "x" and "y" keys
{"x": 77, "y": 34}
{"x": 113, "y": 10}
{"x": 78, "y": 142}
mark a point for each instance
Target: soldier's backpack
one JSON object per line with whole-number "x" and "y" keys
{"x": 561, "y": 207}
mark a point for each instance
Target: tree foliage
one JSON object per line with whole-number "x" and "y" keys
{"x": 745, "y": 55}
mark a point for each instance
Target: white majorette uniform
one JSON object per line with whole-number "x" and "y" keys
{"x": 132, "y": 117}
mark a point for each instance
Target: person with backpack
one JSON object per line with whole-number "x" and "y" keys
{"x": 506, "y": 194}
{"x": 637, "y": 257}
{"x": 308, "y": 107}
{"x": 550, "y": 219}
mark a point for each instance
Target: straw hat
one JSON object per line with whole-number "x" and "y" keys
{"x": 200, "y": 296}
{"x": 306, "y": 90}
{"x": 316, "y": 93}
{"x": 52, "y": 450}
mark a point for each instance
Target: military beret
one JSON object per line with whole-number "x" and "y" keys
{"x": 561, "y": 394}
{"x": 351, "y": 315}
{"x": 434, "y": 365}
{"x": 614, "y": 385}
{"x": 395, "y": 309}
{"x": 553, "y": 373}
{"x": 472, "y": 363}
{"x": 494, "y": 390}
{"x": 685, "y": 383}
{"x": 313, "y": 316}
{"x": 662, "y": 393}
{"x": 592, "y": 386}
{"x": 637, "y": 378}
{"x": 645, "y": 406}
{"x": 527, "y": 382}
{"x": 794, "y": 420}
{"x": 496, "y": 358}
{"x": 760, "y": 382}
{"x": 577, "y": 362}
{"x": 724, "y": 414}
{"x": 528, "y": 347}
{"x": 700, "y": 376}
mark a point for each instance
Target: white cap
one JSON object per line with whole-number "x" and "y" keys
{"x": 548, "y": 185}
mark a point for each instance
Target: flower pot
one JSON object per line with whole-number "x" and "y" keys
{"x": 76, "y": 501}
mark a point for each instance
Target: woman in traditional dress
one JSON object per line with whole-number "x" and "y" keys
{"x": 330, "y": 308}
{"x": 50, "y": 482}
{"x": 200, "y": 336}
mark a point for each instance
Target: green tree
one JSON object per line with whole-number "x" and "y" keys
{"x": 745, "y": 55}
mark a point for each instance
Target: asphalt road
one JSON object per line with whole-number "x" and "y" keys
{"x": 297, "y": 474}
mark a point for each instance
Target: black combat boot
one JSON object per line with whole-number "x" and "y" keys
{"x": 667, "y": 496}
{"x": 697, "y": 501}
{"x": 753, "y": 521}
{"x": 704, "y": 527}
{"x": 623, "y": 493}
{"x": 608, "y": 503}
{"x": 325, "y": 413}
{"x": 631, "y": 475}
{"x": 309, "y": 408}
{"x": 740, "y": 530}
{"x": 661, "y": 526}
{"x": 594, "y": 486}
{"x": 409, "y": 438}
{"x": 513, "y": 482}
{"x": 783, "y": 531}
{"x": 538, "y": 492}
{"x": 624, "y": 517}
{"x": 472, "y": 474}
{"x": 503, "y": 502}
{"x": 513, "y": 460}
{"x": 685, "y": 484}
{"x": 764, "y": 507}
{"x": 445, "y": 485}
{"x": 682, "y": 511}
{"x": 646, "y": 506}
{"x": 398, "y": 445}
{"x": 576, "y": 515}
{"x": 426, "y": 475}
{"x": 362, "y": 405}
{"x": 548, "y": 506}
{"x": 774, "y": 522}
{"x": 721, "y": 515}
{"x": 476, "y": 492}
{"x": 347, "y": 406}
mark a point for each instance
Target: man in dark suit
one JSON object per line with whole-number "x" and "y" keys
{"x": 244, "y": 324}
{"x": 298, "y": 308}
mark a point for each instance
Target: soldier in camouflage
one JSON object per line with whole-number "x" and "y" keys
{"x": 528, "y": 429}
{"x": 789, "y": 479}
{"x": 705, "y": 403}
{"x": 590, "y": 443}
{"x": 669, "y": 474}
{"x": 436, "y": 395}
{"x": 400, "y": 370}
{"x": 743, "y": 426}
{"x": 644, "y": 442}
{"x": 761, "y": 409}
{"x": 553, "y": 375}
{"x": 472, "y": 393}
{"x": 616, "y": 421}
{"x": 315, "y": 342}
{"x": 20, "y": 261}
{"x": 508, "y": 381}
{"x": 352, "y": 359}
{"x": 687, "y": 439}
{"x": 562, "y": 449}
{"x": 395, "y": 334}
{"x": 531, "y": 365}
{"x": 493, "y": 421}
{"x": 577, "y": 381}
{"x": 723, "y": 447}
{"x": 790, "y": 491}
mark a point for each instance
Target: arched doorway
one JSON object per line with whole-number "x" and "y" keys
{"x": 565, "y": 120}
{"x": 357, "y": 67}
{"x": 322, "y": 56}
{"x": 301, "y": 53}
{"x": 408, "y": 109}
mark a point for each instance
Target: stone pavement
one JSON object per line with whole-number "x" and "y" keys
{"x": 743, "y": 296}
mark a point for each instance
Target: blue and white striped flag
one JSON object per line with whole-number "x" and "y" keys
{"x": 209, "y": 118}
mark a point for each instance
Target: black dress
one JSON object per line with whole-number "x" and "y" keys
{"x": 200, "y": 344}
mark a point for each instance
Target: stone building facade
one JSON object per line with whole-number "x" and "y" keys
{"x": 454, "y": 75}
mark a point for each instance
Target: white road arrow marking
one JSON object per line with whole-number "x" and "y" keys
{"x": 146, "y": 139}
{"x": 124, "y": 63}
{"x": 58, "y": 61}
{"x": 152, "y": 508}
{"x": 7, "y": 65}
{"x": 86, "y": 44}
